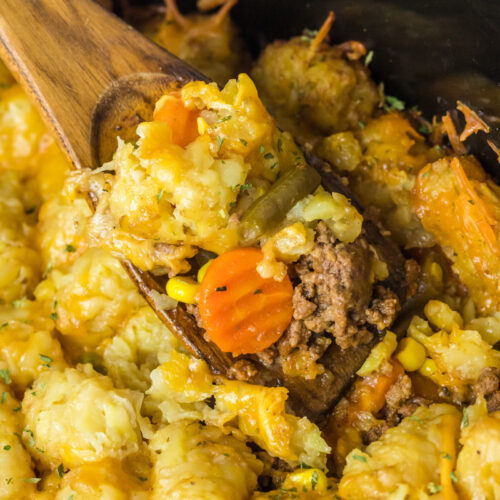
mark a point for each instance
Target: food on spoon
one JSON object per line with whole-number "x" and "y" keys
{"x": 239, "y": 184}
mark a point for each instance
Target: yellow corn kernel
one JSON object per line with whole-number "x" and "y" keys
{"x": 306, "y": 480}
{"x": 182, "y": 289}
{"x": 436, "y": 274}
{"x": 411, "y": 354}
{"x": 202, "y": 125}
{"x": 428, "y": 368}
{"x": 203, "y": 270}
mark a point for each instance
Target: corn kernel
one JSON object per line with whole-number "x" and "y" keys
{"x": 306, "y": 480}
{"x": 436, "y": 274}
{"x": 411, "y": 354}
{"x": 428, "y": 368}
{"x": 182, "y": 289}
{"x": 203, "y": 270}
{"x": 202, "y": 125}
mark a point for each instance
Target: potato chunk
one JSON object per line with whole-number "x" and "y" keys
{"x": 478, "y": 464}
{"x": 394, "y": 463}
{"x": 200, "y": 462}
{"x": 77, "y": 416}
{"x": 17, "y": 478}
{"x": 90, "y": 298}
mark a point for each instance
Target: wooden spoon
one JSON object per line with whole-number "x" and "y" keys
{"x": 93, "y": 77}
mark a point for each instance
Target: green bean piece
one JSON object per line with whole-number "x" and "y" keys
{"x": 270, "y": 209}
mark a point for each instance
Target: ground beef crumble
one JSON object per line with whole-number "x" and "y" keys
{"x": 488, "y": 385}
{"x": 335, "y": 293}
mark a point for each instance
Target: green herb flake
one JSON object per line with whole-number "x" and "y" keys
{"x": 232, "y": 204}
{"x": 32, "y": 480}
{"x": 9, "y": 480}
{"x": 392, "y": 102}
{"x": 60, "y": 470}
{"x": 434, "y": 488}
{"x": 471, "y": 202}
{"x": 160, "y": 194}
{"x": 31, "y": 437}
{"x": 304, "y": 465}
{"x": 7, "y": 447}
{"x": 416, "y": 419}
{"x": 18, "y": 408}
{"x": 221, "y": 289}
{"x": 4, "y": 397}
{"x": 245, "y": 187}
{"x": 243, "y": 142}
{"x": 257, "y": 292}
{"x": 274, "y": 165}
{"x": 220, "y": 141}
{"x": 71, "y": 497}
{"x": 268, "y": 156}
{"x": 29, "y": 210}
{"x": 46, "y": 359}
{"x": 445, "y": 455}
{"x": 424, "y": 129}
{"x": 69, "y": 249}
{"x": 280, "y": 145}
{"x": 465, "y": 420}
{"x": 39, "y": 450}
{"x": 454, "y": 478}
{"x": 225, "y": 119}
{"x": 5, "y": 374}
{"x": 16, "y": 304}
{"x": 369, "y": 58}
{"x": 53, "y": 316}
{"x": 141, "y": 478}
{"x": 261, "y": 150}
{"x": 360, "y": 458}
{"x": 314, "y": 480}
{"x": 426, "y": 174}
{"x": 361, "y": 124}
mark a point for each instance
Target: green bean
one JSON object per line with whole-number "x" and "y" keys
{"x": 270, "y": 209}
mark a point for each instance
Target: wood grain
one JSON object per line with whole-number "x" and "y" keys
{"x": 88, "y": 71}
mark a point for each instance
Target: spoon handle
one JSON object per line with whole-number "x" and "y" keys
{"x": 66, "y": 53}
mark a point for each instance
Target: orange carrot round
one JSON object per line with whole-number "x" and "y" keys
{"x": 242, "y": 312}
{"x": 183, "y": 121}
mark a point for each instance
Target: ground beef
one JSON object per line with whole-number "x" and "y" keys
{"x": 335, "y": 292}
{"x": 243, "y": 369}
{"x": 488, "y": 385}
{"x": 383, "y": 308}
{"x": 193, "y": 310}
{"x": 398, "y": 392}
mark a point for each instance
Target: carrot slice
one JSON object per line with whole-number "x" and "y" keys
{"x": 183, "y": 121}
{"x": 242, "y": 312}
